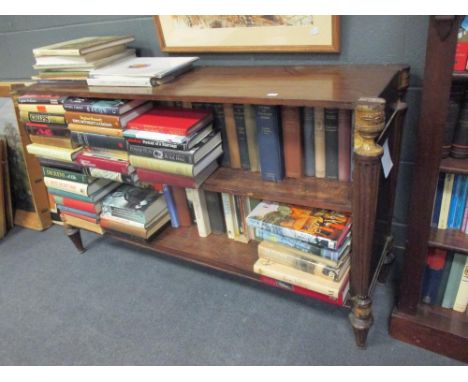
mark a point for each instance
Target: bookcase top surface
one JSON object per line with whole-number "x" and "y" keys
{"x": 317, "y": 85}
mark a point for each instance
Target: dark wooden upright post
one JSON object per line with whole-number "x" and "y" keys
{"x": 369, "y": 122}
{"x": 75, "y": 236}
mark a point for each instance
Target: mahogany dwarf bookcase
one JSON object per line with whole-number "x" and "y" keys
{"x": 369, "y": 197}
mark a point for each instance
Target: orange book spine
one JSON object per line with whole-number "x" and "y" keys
{"x": 233, "y": 144}
{"x": 292, "y": 146}
{"x": 183, "y": 211}
{"x": 90, "y": 119}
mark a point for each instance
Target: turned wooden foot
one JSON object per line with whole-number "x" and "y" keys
{"x": 361, "y": 319}
{"x": 75, "y": 236}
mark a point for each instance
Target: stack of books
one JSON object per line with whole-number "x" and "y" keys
{"x": 141, "y": 71}
{"x": 134, "y": 211}
{"x": 450, "y": 209}
{"x": 173, "y": 146}
{"x": 445, "y": 281}
{"x": 71, "y": 61}
{"x": 77, "y": 196}
{"x": 306, "y": 250}
{"x": 98, "y": 125}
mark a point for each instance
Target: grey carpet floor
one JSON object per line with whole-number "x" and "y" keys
{"x": 118, "y": 305}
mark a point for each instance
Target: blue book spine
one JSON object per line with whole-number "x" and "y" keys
{"x": 79, "y": 212}
{"x": 461, "y": 202}
{"x": 309, "y": 141}
{"x": 453, "y": 202}
{"x": 269, "y": 142}
{"x": 433, "y": 275}
{"x": 239, "y": 120}
{"x": 171, "y": 206}
{"x": 438, "y": 200}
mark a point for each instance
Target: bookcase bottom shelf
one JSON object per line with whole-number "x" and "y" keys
{"x": 215, "y": 251}
{"x": 434, "y": 328}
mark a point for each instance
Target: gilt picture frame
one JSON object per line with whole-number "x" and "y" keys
{"x": 231, "y": 34}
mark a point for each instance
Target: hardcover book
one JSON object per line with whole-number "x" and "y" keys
{"x": 85, "y": 189}
{"x": 269, "y": 142}
{"x": 215, "y": 211}
{"x": 47, "y": 130}
{"x": 98, "y": 140}
{"x": 73, "y": 176}
{"x": 110, "y": 132}
{"x": 292, "y": 144}
{"x": 101, "y": 106}
{"x": 183, "y": 122}
{"x": 58, "y": 153}
{"x": 344, "y": 145}
{"x": 308, "y": 141}
{"x": 62, "y": 142}
{"x": 32, "y": 116}
{"x": 433, "y": 274}
{"x": 171, "y": 207}
{"x": 453, "y": 283}
{"x": 319, "y": 140}
{"x": 317, "y": 226}
{"x": 41, "y": 108}
{"x": 183, "y": 212}
{"x": 134, "y": 203}
{"x": 231, "y": 136}
{"x": 51, "y": 99}
{"x": 331, "y": 143}
{"x": 239, "y": 120}
{"x": 251, "y": 130}
{"x": 461, "y": 299}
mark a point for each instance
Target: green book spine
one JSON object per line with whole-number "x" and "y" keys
{"x": 66, "y": 194}
{"x": 444, "y": 279}
{"x": 456, "y": 271}
{"x": 66, "y": 175}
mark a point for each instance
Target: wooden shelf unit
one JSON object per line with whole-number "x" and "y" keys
{"x": 431, "y": 327}
{"x": 330, "y": 86}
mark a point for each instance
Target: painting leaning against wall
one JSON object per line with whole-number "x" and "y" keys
{"x": 22, "y": 198}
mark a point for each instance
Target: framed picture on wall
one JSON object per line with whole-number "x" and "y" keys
{"x": 188, "y": 33}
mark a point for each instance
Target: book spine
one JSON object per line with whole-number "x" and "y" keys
{"x": 78, "y": 212}
{"x": 219, "y": 124}
{"x": 41, "y": 108}
{"x": 57, "y": 192}
{"x": 231, "y": 133}
{"x": 65, "y": 175}
{"x": 108, "y": 131}
{"x": 461, "y": 299}
{"x": 309, "y": 142}
{"x": 165, "y": 154}
{"x": 96, "y": 140}
{"x": 460, "y": 208}
{"x": 331, "y": 143}
{"x": 215, "y": 211}
{"x": 319, "y": 139}
{"x": 465, "y": 217}
{"x": 98, "y": 120}
{"x": 228, "y": 215}
{"x": 104, "y": 164}
{"x": 433, "y": 274}
{"x": 79, "y": 216}
{"x": 171, "y": 206}
{"x": 269, "y": 141}
{"x": 154, "y": 128}
{"x": 454, "y": 201}
{"x": 456, "y": 272}
{"x": 165, "y": 178}
{"x": 82, "y": 223}
{"x": 76, "y": 204}
{"x": 460, "y": 141}
{"x": 438, "y": 200}
{"x": 157, "y": 144}
{"x": 123, "y": 213}
{"x": 344, "y": 145}
{"x": 106, "y": 174}
{"x": 47, "y": 131}
{"x": 285, "y": 231}
{"x": 241, "y": 132}
{"x": 444, "y": 279}
{"x": 445, "y": 204}
{"x": 30, "y": 116}
{"x": 73, "y": 187}
{"x": 91, "y": 108}
{"x": 302, "y": 291}
{"x": 292, "y": 144}
{"x": 177, "y": 168}
{"x": 62, "y": 142}
{"x": 69, "y": 166}
{"x": 251, "y": 129}
{"x": 183, "y": 212}
{"x": 450, "y": 124}
{"x": 201, "y": 211}
{"x": 300, "y": 263}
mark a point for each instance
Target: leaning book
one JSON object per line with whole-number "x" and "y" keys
{"x": 317, "y": 226}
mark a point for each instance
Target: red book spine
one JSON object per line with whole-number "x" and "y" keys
{"x": 156, "y": 129}
{"x": 165, "y": 178}
{"x": 344, "y": 145}
{"x": 306, "y": 292}
{"x": 104, "y": 164}
{"x": 77, "y": 204}
{"x": 83, "y": 217}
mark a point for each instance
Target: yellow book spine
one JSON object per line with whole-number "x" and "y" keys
{"x": 461, "y": 299}
{"x": 446, "y": 198}
{"x": 251, "y": 129}
{"x": 110, "y": 131}
{"x": 32, "y": 116}
{"x": 293, "y": 276}
{"x": 177, "y": 168}
{"x": 51, "y": 152}
{"x": 53, "y": 141}
{"x": 80, "y": 223}
{"x": 319, "y": 133}
{"x": 41, "y": 108}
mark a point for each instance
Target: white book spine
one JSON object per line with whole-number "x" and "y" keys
{"x": 201, "y": 211}
{"x": 446, "y": 198}
{"x": 65, "y": 185}
{"x": 228, "y": 216}
{"x": 461, "y": 300}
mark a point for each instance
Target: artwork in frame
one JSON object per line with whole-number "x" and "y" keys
{"x": 188, "y": 33}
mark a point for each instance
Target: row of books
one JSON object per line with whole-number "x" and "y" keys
{"x": 105, "y": 61}
{"x": 445, "y": 281}
{"x": 456, "y": 127}
{"x": 461, "y": 53}
{"x": 451, "y": 203}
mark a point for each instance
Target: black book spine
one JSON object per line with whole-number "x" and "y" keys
{"x": 157, "y": 144}
{"x": 219, "y": 124}
{"x": 48, "y": 131}
{"x": 215, "y": 211}
{"x": 331, "y": 143}
{"x": 449, "y": 132}
{"x": 159, "y": 153}
{"x": 96, "y": 140}
{"x": 239, "y": 120}
{"x": 62, "y": 165}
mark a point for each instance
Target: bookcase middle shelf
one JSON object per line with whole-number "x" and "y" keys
{"x": 309, "y": 191}
{"x": 449, "y": 239}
